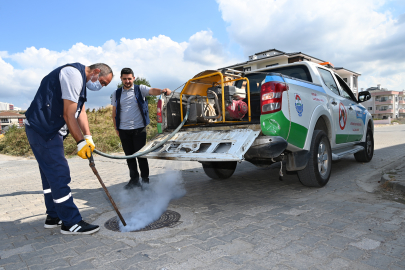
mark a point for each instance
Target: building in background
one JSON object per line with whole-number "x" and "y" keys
{"x": 9, "y": 118}
{"x": 276, "y": 57}
{"x": 385, "y": 103}
{"x": 4, "y": 106}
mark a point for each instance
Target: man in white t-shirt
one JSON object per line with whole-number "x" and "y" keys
{"x": 58, "y": 105}
{"x": 130, "y": 117}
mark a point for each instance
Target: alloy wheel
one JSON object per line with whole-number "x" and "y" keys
{"x": 323, "y": 161}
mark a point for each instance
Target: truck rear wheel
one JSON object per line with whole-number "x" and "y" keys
{"x": 219, "y": 170}
{"x": 319, "y": 167}
{"x": 367, "y": 154}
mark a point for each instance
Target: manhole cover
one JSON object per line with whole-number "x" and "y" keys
{"x": 167, "y": 219}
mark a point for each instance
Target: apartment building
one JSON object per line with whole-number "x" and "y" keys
{"x": 9, "y": 118}
{"x": 385, "y": 103}
{"x": 276, "y": 57}
{"x": 4, "y": 106}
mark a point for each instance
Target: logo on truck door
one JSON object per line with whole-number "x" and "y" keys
{"x": 298, "y": 104}
{"x": 342, "y": 116}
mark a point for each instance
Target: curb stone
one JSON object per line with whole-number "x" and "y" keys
{"x": 395, "y": 179}
{"x": 394, "y": 184}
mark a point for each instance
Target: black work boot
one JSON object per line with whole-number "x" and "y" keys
{"x": 133, "y": 183}
{"x": 145, "y": 180}
{"x": 80, "y": 228}
{"x": 51, "y": 222}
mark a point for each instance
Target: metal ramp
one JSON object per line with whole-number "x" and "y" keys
{"x": 228, "y": 145}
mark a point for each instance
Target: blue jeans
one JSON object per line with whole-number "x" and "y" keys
{"x": 55, "y": 175}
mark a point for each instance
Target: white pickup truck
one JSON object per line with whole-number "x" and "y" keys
{"x": 302, "y": 114}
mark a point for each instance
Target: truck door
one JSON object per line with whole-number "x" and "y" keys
{"x": 339, "y": 107}
{"x": 356, "y": 113}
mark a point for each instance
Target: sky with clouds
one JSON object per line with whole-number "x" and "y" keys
{"x": 168, "y": 42}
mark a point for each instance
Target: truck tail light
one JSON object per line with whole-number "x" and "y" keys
{"x": 159, "y": 111}
{"x": 271, "y": 96}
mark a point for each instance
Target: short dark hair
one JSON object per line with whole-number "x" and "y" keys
{"x": 104, "y": 69}
{"x": 127, "y": 71}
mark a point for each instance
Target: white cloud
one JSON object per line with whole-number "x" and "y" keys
{"x": 164, "y": 62}
{"x": 354, "y": 34}
{"x": 204, "y": 49}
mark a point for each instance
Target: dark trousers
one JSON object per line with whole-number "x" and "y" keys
{"x": 55, "y": 175}
{"x": 132, "y": 141}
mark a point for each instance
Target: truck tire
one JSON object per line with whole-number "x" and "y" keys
{"x": 219, "y": 170}
{"x": 319, "y": 167}
{"x": 367, "y": 154}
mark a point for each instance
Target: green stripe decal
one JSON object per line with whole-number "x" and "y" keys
{"x": 341, "y": 138}
{"x": 159, "y": 127}
{"x": 298, "y": 135}
{"x": 276, "y": 124}
{"x": 354, "y": 138}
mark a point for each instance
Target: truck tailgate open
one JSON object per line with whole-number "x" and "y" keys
{"x": 228, "y": 145}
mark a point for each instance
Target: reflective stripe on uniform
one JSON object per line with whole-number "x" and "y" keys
{"x": 47, "y": 191}
{"x": 63, "y": 199}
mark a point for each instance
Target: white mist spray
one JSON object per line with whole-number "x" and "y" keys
{"x": 142, "y": 207}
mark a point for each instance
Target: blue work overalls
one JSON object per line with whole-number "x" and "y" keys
{"x": 45, "y": 118}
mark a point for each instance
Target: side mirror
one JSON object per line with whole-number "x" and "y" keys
{"x": 364, "y": 96}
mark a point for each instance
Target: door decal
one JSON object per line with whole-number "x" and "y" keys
{"x": 361, "y": 114}
{"x": 342, "y": 116}
{"x": 298, "y": 104}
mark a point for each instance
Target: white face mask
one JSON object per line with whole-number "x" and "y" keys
{"x": 94, "y": 86}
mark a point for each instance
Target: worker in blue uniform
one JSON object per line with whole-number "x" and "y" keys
{"x": 58, "y": 109}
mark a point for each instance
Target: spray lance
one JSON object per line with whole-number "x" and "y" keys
{"x": 93, "y": 167}
{"x": 137, "y": 154}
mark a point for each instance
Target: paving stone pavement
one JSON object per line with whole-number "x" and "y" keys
{"x": 250, "y": 221}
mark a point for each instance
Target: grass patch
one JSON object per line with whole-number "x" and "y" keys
{"x": 400, "y": 120}
{"x": 15, "y": 141}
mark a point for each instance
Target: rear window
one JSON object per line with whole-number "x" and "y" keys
{"x": 255, "y": 82}
{"x": 257, "y": 79}
{"x": 299, "y": 72}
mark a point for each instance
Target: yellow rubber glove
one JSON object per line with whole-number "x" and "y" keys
{"x": 89, "y": 140}
{"x": 84, "y": 150}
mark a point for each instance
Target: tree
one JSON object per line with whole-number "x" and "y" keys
{"x": 139, "y": 81}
